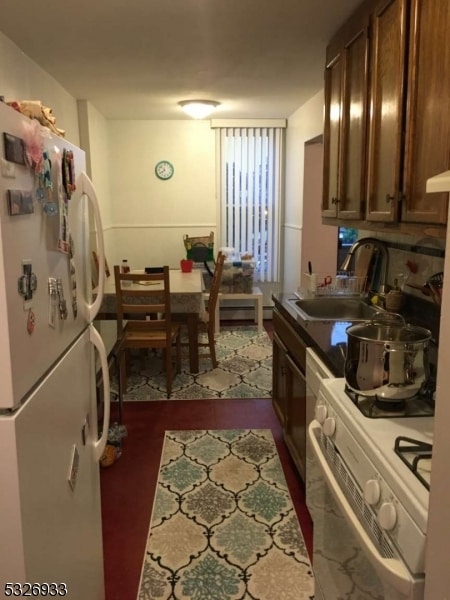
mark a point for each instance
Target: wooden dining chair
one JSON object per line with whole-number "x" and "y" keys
{"x": 210, "y": 312}
{"x": 144, "y": 320}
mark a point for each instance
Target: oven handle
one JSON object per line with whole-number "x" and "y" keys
{"x": 388, "y": 569}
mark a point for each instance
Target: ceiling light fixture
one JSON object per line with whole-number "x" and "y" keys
{"x": 198, "y": 109}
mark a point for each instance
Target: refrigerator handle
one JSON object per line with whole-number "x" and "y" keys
{"x": 96, "y": 339}
{"x": 87, "y": 187}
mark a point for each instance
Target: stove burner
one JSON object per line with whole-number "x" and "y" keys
{"x": 377, "y": 408}
{"x": 390, "y": 407}
{"x": 416, "y": 451}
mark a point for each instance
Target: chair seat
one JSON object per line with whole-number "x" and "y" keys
{"x": 137, "y": 336}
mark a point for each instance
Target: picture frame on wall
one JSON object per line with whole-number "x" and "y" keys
{"x": 14, "y": 148}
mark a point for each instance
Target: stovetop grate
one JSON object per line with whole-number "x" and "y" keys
{"x": 412, "y": 452}
{"x": 373, "y": 407}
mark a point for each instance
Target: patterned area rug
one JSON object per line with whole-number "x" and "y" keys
{"x": 223, "y": 525}
{"x": 244, "y": 371}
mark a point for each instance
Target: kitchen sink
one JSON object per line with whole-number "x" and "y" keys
{"x": 335, "y": 308}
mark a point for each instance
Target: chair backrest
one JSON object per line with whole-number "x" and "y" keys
{"x": 140, "y": 295}
{"x": 214, "y": 290}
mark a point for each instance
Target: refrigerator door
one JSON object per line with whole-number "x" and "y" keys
{"x": 50, "y": 523}
{"x": 34, "y": 331}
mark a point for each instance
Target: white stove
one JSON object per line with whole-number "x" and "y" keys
{"x": 386, "y": 496}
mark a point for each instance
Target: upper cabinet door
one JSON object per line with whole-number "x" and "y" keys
{"x": 332, "y": 129}
{"x": 353, "y": 136}
{"x": 387, "y": 62}
{"x": 428, "y": 111}
{"x": 346, "y": 84}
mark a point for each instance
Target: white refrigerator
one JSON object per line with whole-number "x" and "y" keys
{"x": 50, "y": 513}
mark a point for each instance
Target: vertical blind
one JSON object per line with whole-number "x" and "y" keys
{"x": 250, "y": 194}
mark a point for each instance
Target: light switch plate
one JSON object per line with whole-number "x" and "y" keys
{"x": 8, "y": 169}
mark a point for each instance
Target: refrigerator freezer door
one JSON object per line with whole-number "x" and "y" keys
{"x": 29, "y": 344}
{"x": 50, "y": 523}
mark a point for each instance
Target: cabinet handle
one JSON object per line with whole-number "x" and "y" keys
{"x": 389, "y": 198}
{"x": 334, "y": 200}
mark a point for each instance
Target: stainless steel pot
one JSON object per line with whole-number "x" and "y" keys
{"x": 387, "y": 358}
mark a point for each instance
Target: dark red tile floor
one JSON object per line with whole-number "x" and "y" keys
{"x": 128, "y": 486}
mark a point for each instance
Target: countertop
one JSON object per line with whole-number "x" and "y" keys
{"x": 329, "y": 339}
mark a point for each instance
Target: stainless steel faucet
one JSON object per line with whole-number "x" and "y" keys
{"x": 384, "y": 251}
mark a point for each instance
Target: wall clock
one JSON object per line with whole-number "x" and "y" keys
{"x": 164, "y": 169}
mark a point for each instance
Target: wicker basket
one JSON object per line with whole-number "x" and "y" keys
{"x": 199, "y": 249}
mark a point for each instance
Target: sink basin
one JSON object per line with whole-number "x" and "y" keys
{"x": 336, "y": 308}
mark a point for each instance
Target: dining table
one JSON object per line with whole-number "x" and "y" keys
{"x": 186, "y": 302}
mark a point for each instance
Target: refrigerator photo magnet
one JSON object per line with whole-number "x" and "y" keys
{"x": 14, "y": 148}
{"x": 19, "y": 202}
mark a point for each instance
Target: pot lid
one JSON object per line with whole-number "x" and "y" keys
{"x": 388, "y": 327}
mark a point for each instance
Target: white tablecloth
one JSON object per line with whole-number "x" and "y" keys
{"x": 186, "y": 293}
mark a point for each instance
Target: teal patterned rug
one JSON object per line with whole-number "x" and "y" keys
{"x": 244, "y": 371}
{"x": 223, "y": 525}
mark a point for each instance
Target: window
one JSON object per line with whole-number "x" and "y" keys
{"x": 250, "y": 167}
{"x": 347, "y": 236}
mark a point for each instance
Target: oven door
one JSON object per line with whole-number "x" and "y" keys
{"x": 346, "y": 563}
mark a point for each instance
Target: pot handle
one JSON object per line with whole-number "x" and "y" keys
{"x": 387, "y": 317}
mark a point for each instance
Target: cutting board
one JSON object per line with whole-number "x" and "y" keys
{"x": 363, "y": 260}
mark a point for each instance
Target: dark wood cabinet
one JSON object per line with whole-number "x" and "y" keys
{"x": 279, "y": 379}
{"x": 289, "y": 387}
{"x": 295, "y": 425}
{"x": 406, "y": 124}
{"x": 427, "y": 145}
{"x": 346, "y": 93}
{"x": 332, "y": 130}
{"x": 388, "y": 56}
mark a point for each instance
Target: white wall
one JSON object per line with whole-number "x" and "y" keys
{"x": 23, "y": 79}
{"x": 142, "y": 216}
{"x": 88, "y": 132}
{"x": 151, "y": 216}
{"x": 94, "y": 139}
{"x": 306, "y": 123}
{"x": 319, "y": 242}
